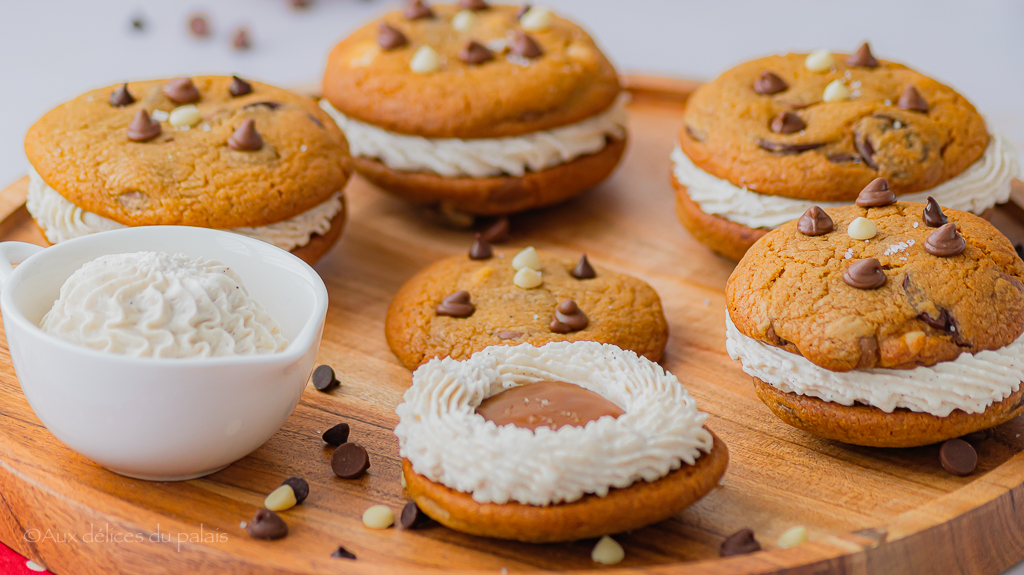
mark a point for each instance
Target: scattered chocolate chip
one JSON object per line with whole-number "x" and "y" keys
{"x": 121, "y": 97}
{"x": 266, "y": 104}
{"x": 336, "y": 435}
{"x": 241, "y": 39}
{"x": 480, "y": 250}
{"x": 475, "y": 53}
{"x": 958, "y": 457}
{"x": 473, "y": 5}
{"x": 239, "y": 87}
{"x": 198, "y": 25}
{"x": 143, "y": 128}
{"x": 865, "y": 274}
{"x": 876, "y": 194}
{"x": 568, "y": 318}
{"x": 945, "y": 241}
{"x": 456, "y": 305}
{"x": 343, "y": 553}
{"x": 509, "y": 334}
{"x": 862, "y": 57}
{"x": 300, "y": 487}
{"x": 246, "y": 138}
{"x": 769, "y": 83}
{"x": 350, "y": 461}
{"x": 786, "y": 148}
{"x": 865, "y": 149}
{"x": 525, "y": 46}
{"x": 787, "y": 123}
{"x": 911, "y": 100}
{"x": 417, "y": 9}
{"x": 181, "y": 91}
{"x": 412, "y": 517}
{"x": 814, "y": 222}
{"x": 739, "y": 543}
{"x": 324, "y": 378}
{"x": 843, "y": 158}
{"x": 522, "y": 10}
{"x": 266, "y": 525}
{"x": 498, "y": 232}
{"x": 138, "y": 24}
{"x": 583, "y": 269}
{"x": 933, "y": 216}
{"x": 390, "y": 37}
{"x": 976, "y": 437}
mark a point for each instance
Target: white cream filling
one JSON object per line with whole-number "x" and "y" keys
{"x": 62, "y": 220}
{"x": 971, "y": 382}
{"x": 484, "y": 157}
{"x": 152, "y": 304}
{"x": 444, "y": 438}
{"x": 982, "y": 185}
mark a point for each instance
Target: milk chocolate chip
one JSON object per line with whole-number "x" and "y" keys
{"x": 239, "y": 87}
{"x": 241, "y": 39}
{"x": 568, "y": 318}
{"x": 525, "y": 46}
{"x": 417, "y": 9}
{"x": 865, "y": 274}
{"x": 911, "y": 100}
{"x": 475, "y": 53}
{"x": 945, "y": 241}
{"x": 473, "y": 5}
{"x": 266, "y": 525}
{"x": 876, "y": 194}
{"x": 324, "y": 378}
{"x": 583, "y": 270}
{"x": 198, "y": 26}
{"x": 456, "y": 305}
{"x": 769, "y": 83}
{"x": 412, "y": 517}
{"x": 336, "y": 435}
{"x": 181, "y": 91}
{"x": 787, "y": 148}
{"x": 814, "y": 222}
{"x": 933, "y": 216}
{"x": 958, "y": 457}
{"x": 787, "y": 123}
{"x": 551, "y": 404}
{"x": 498, "y": 232}
{"x": 862, "y": 57}
{"x": 480, "y": 250}
{"x": 350, "y": 461}
{"x": 143, "y": 128}
{"x": 739, "y": 543}
{"x": 121, "y": 97}
{"x": 246, "y": 138}
{"x": 390, "y": 37}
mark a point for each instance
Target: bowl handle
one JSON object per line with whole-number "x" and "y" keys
{"x": 13, "y": 253}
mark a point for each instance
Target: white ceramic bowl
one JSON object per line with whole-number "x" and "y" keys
{"x": 161, "y": 419}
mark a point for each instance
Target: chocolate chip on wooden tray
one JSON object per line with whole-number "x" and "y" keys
{"x": 739, "y": 543}
{"x": 412, "y": 517}
{"x": 336, "y": 435}
{"x": 350, "y": 461}
{"x": 324, "y": 379}
{"x": 266, "y": 525}
{"x": 958, "y": 457}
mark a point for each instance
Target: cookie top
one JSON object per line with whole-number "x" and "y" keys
{"x": 189, "y": 173}
{"x": 790, "y": 138}
{"x": 619, "y": 309}
{"x": 507, "y": 95}
{"x": 790, "y": 290}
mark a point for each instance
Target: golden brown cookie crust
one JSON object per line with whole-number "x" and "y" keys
{"x": 725, "y": 118}
{"x": 571, "y": 81}
{"x": 622, "y": 310}
{"x": 192, "y": 177}
{"x": 872, "y": 427}
{"x": 497, "y": 195}
{"x": 726, "y": 238}
{"x": 788, "y": 291}
{"x": 638, "y": 505}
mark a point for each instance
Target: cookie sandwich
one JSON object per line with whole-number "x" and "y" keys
{"x": 774, "y": 136}
{"x": 886, "y": 323}
{"x": 463, "y": 304}
{"x": 478, "y": 108}
{"x": 208, "y": 151}
{"x": 560, "y": 442}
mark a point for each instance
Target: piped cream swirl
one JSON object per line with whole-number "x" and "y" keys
{"x": 444, "y": 438}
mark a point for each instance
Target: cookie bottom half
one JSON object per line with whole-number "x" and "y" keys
{"x": 633, "y": 507}
{"x": 724, "y": 237}
{"x": 872, "y": 427}
{"x": 498, "y": 195}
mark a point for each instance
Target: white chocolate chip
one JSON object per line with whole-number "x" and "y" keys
{"x": 425, "y": 61}
{"x": 185, "y": 116}
{"x": 608, "y": 551}
{"x": 862, "y": 229}
{"x": 280, "y": 499}
{"x": 33, "y": 566}
{"x": 378, "y": 517}
{"x": 820, "y": 60}
{"x": 463, "y": 20}
{"x": 536, "y": 19}
{"x": 527, "y": 258}
{"x": 793, "y": 537}
{"x": 527, "y": 278}
{"x": 836, "y": 91}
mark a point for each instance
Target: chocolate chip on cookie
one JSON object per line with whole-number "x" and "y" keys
{"x": 475, "y": 53}
{"x": 568, "y": 317}
{"x": 456, "y": 304}
{"x": 945, "y": 241}
{"x": 933, "y": 216}
{"x": 525, "y": 46}
{"x": 390, "y": 37}
{"x": 121, "y": 97}
{"x": 417, "y": 9}
{"x": 143, "y": 128}
{"x": 480, "y": 250}
{"x": 787, "y": 123}
{"x": 583, "y": 270}
{"x": 246, "y": 138}
{"x": 181, "y": 91}
{"x": 787, "y": 147}
{"x": 911, "y": 100}
{"x": 769, "y": 83}
{"x": 473, "y": 5}
{"x": 865, "y": 274}
{"x": 862, "y": 57}
{"x": 239, "y": 87}
{"x": 814, "y": 222}
{"x": 876, "y": 194}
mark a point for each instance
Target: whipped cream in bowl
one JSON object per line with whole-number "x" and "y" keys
{"x": 161, "y": 352}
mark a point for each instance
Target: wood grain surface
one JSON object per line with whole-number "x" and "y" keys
{"x": 867, "y": 510}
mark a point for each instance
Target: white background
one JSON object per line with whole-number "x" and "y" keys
{"x": 51, "y": 50}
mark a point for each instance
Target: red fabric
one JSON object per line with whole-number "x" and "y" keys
{"x": 13, "y": 564}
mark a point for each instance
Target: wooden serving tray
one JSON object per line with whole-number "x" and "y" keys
{"x": 867, "y": 510}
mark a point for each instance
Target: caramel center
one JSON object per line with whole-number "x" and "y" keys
{"x": 546, "y": 404}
